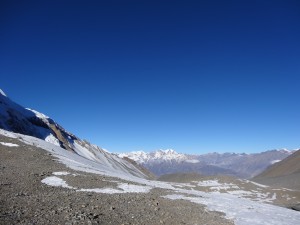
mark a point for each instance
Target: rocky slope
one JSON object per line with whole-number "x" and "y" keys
{"x": 18, "y": 119}
{"x": 37, "y": 189}
{"x": 285, "y": 173}
{"x": 231, "y": 164}
{"x": 25, "y": 199}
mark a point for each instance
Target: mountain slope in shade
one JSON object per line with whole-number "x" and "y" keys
{"x": 231, "y": 164}
{"x": 285, "y": 173}
{"x": 18, "y": 119}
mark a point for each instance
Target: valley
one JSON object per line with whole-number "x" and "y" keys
{"x": 50, "y": 176}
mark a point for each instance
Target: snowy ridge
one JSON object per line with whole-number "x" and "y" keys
{"x": 138, "y": 156}
{"x": 2, "y": 93}
{"x": 18, "y": 119}
{"x": 170, "y": 154}
{"x": 156, "y": 156}
{"x": 85, "y": 158}
{"x": 40, "y": 115}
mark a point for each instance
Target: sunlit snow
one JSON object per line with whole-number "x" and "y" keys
{"x": 122, "y": 188}
{"x": 9, "y": 144}
{"x": 56, "y": 181}
{"x": 62, "y": 173}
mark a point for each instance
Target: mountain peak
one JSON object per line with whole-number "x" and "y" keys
{"x": 167, "y": 151}
{"x": 158, "y": 156}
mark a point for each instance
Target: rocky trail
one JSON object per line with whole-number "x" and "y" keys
{"x": 24, "y": 199}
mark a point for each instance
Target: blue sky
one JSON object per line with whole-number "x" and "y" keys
{"x": 195, "y": 76}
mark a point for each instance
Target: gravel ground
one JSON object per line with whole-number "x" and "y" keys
{"x": 24, "y": 199}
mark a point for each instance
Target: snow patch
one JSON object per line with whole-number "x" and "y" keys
{"x": 224, "y": 187}
{"x": 209, "y": 183}
{"x": 51, "y": 139}
{"x": 102, "y": 190}
{"x": 9, "y": 144}
{"x": 242, "y": 211}
{"x": 56, "y": 182}
{"x": 132, "y": 188}
{"x": 62, "y": 173}
{"x": 275, "y": 161}
{"x": 122, "y": 188}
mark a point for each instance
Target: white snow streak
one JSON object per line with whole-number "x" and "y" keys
{"x": 62, "y": 173}
{"x": 9, "y": 144}
{"x": 122, "y": 188}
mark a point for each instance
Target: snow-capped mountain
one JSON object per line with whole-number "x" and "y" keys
{"x": 168, "y": 155}
{"x": 18, "y": 119}
{"x": 243, "y": 165}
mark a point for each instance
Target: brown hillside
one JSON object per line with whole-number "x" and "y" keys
{"x": 285, "y": 173}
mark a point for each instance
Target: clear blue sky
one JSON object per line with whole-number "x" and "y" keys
{"x": 195, "y": 76}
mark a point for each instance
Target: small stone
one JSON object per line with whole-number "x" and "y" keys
{"x": 296, "y": 207}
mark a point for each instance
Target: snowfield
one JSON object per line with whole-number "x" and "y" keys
{"x": 242, "y": 210}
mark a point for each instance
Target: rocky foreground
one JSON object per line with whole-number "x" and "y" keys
{"x": 24, "y": 199}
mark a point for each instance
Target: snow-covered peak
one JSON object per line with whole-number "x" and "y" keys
{"x": 38, "y": 114}
{"x": 284, "y": 150}
{"x": 137, "y": 156}
{"x": 168, "y": 154}
{"x": 158, "y": 156}
{"x": 2, "y": 93}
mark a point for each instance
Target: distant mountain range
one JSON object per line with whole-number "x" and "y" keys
{"x": 243, "y": 165}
